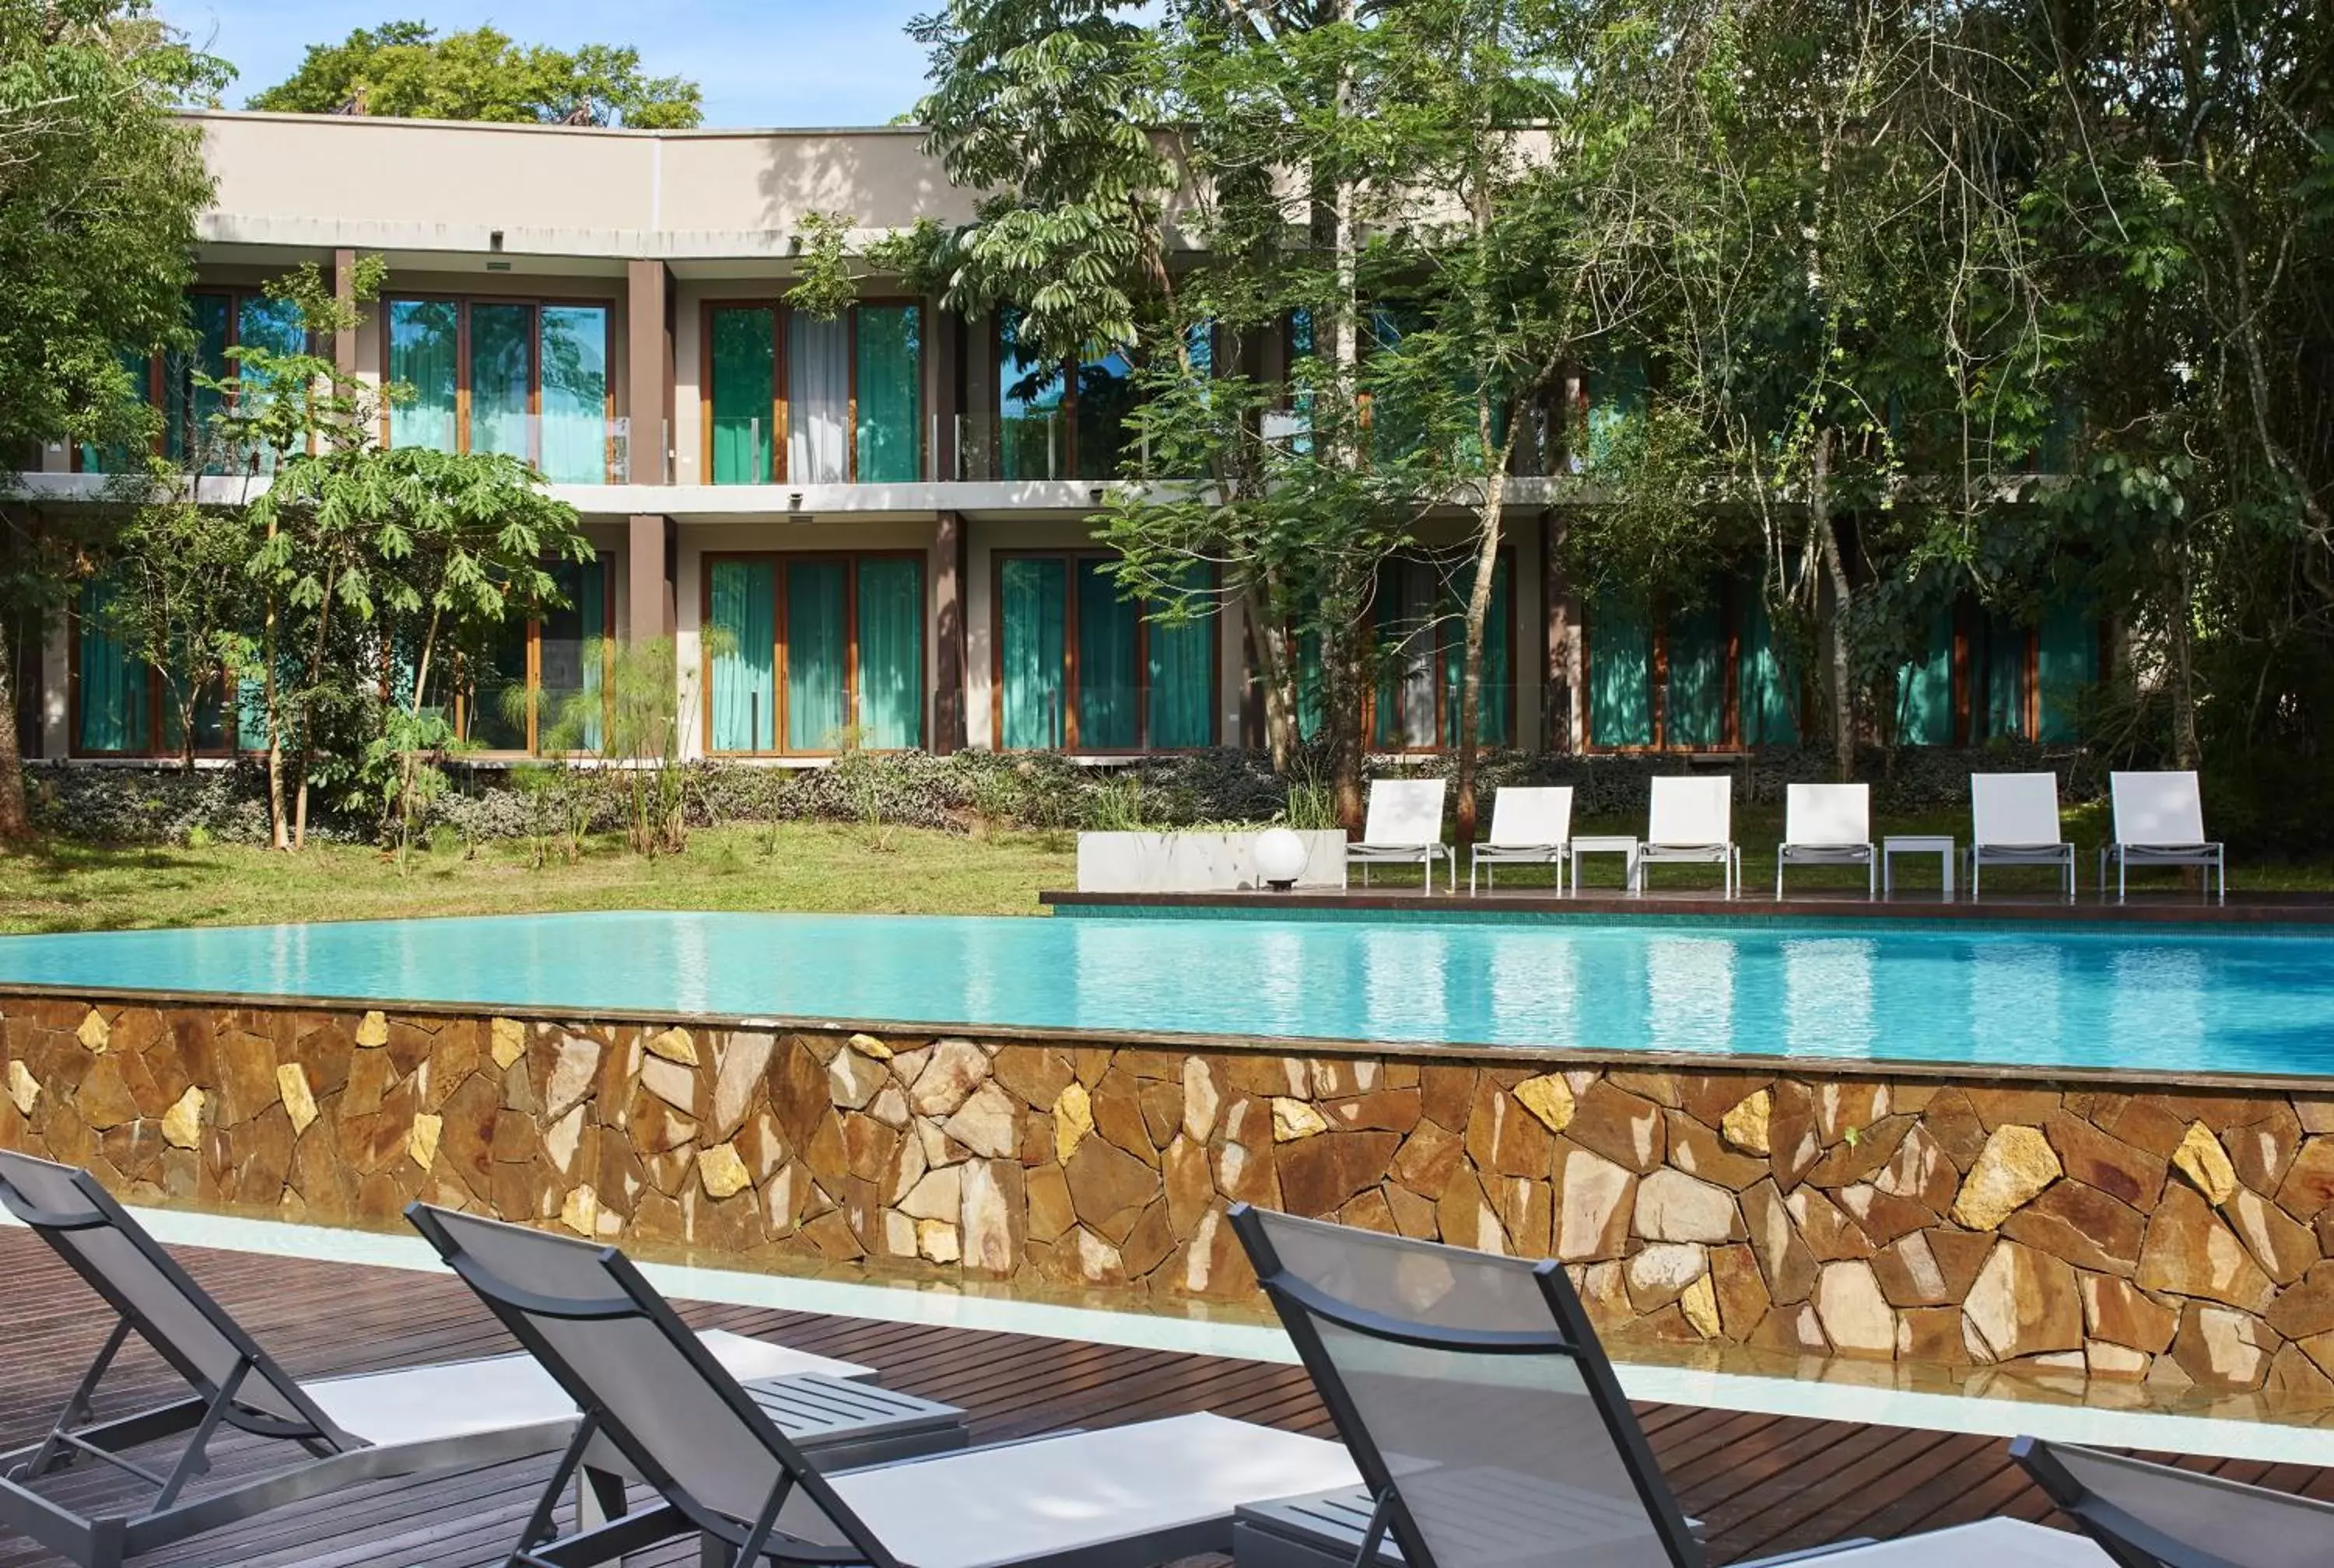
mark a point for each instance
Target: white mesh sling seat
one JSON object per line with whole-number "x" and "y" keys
{"x": 1530, "y": 826}
{"x": 1691, "y": 823}
{"x": 2159, "y": 820}
{"x": 1403, "y": 826}
{"x": 337, "y": 1432}
{"x": 1488, "y": 1428}
{"x": 1827, "y": 826}
{"x": 2014, "y": 822}
{"x": 2146, "y": 1515}
{"x": 730, "y": 1477}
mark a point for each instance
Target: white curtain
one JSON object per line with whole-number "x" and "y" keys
{"x": 818, "y": 399}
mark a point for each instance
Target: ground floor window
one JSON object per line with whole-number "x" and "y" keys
{"x": 1707, "y": 672}
{"x": 1081, "y": 668}
{"x": 123, "y": 705}
{"x": 814, "y": 654}
{"x": 537, "y": 684}
{"x": 1981, "y": 675}
{"x": 1422, "y": 622}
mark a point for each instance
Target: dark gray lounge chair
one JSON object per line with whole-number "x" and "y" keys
{"x": 1488, "y": 1428}
{"x": 340, "y": 1432}
{"x": 725, "y": 1475}
{"x": 2147, "y": 1515}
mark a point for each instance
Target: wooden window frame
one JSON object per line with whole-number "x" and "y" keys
{"x": 1441, "y": 656}
{"x": 781, "y": 409}
{"x": 536, "y": 304}
{"x": 780, "y": 560}
{"x": 1729, "y": 742}
{"x": 462, "y": 695}
{"x": 1071, "y": 746}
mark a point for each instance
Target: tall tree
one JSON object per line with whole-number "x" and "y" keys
{"x": 99, "y": 186}
{"x": 407, "y": 71}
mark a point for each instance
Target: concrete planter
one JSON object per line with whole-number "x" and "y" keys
{"x": 1195, "y": 862}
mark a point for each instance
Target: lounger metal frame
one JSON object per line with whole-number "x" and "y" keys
{"x": 1572, "y": 1335}
{"x": 2213, "y": 857}
{"x": 2128, "y": 1541}
{"x": 335, "y": 1458}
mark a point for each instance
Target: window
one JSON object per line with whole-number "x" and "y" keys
{"x": 808, "y": 654}
{"x": 1423, "y": 633}
{"x": 1079, "y": 667}
{"x": 123, "y": 706}
{"x": 1983, "y": 675}
{"x": 830, "y": 402}
{"x": 526, "y": 379}
{"x": 1704, "y": 673}
{"x": 1058, "y": 420}
{"x": 534, "y": 688}
{"x": 221, "y": 320}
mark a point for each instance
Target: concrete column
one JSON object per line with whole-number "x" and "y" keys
{"x": 648, "y": 579}
{"x": 948, "y": 654}
{"x": 648, "y": 370}
{"x": 1559, "y": 732}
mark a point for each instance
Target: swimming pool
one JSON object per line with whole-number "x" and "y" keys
{"x": 2173, "y": 1001}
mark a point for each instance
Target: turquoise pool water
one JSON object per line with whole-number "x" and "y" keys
{"x": 2165, "y": 1001}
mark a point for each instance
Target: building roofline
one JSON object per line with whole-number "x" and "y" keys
{"x": 700, "y": 133}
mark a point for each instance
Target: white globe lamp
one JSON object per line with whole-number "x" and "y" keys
{"x": 1279, "y": 859}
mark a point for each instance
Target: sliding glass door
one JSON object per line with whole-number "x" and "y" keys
{"x": 810, "y": 655}
{"x": 1080, "y": 668}
{"x": 525, "y": 379}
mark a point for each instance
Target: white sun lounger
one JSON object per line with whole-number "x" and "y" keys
{"x": 1828, "y": 824}
{"x": 2014, "y": 822}
{"x": 1149, "y": 1493}
{"x": 1693, "y": 823}
{"x": 2159, "y": 820}
{"x": 348, "y": 1430}
{"x": 1530, "y": 826}
{"x": 1404, "y": 825}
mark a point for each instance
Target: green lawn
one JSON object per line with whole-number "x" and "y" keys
{"x": 60, "y": 886}
{"x": 65, "y": 887}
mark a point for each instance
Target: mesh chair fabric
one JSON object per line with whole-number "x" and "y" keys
{"x": 2250, "y": 1524}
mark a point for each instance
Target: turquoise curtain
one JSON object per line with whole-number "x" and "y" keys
{"x": 744, "y": 391}
{"x": 423, "y": 340}
{"x": 502, "y": 373}
{"x": 1309, "y": 680}
{"x": 1696, "y": 698}
{"x": 276, "y": 327}
{"x": 574, "y": 380}
{"x": 892, "y": 653}
{"x": 1495, "y": 726}
{"x": 97, "y": 459}
{"x": 568, "y": 653}
{"x": 1181, "y": 675}
{"x": 1032, "y": 441}
{"x": 817, "y": 702}
{"x": 1925, "y": 689}
{"x": 188, "y": 410}
{"x": 251, "y": 711}
{"x": 1030, "y": 646}
{"x": 1109, "y": 714}
{"x": 890, "y": 370}
{"x": 115, "y": 697}
{"x": 1767, "y": 686}
{"x": 2002, "y": 692}
{"x": 744, "y": 623}
{"x": 2068, "y": 664}
{"x": 1620, "y": 670}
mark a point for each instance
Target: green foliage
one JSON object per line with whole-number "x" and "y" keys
{"x": 825, "y": 288}
{"x": 407, "y": 71}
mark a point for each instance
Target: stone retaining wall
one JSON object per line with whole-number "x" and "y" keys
{"x": 2112, "y": 1228}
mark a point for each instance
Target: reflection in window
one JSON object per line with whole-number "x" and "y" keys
{"x": 573, "y": 368}
{"x": 744, "y": 398}
{"x": 424, "y": 338}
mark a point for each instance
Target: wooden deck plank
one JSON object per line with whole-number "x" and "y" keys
{"x": 1763, "y": 1483}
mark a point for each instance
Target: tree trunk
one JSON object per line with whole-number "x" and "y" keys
{"x": 1341, "y": 723}
{"x": 279, "y": 827}
{"x": 2180, "y": 645}
{"x": 1479, "y": 616}
{"x": 1843, "y": 706}
{"x": 1275, "y": 667}
{"x": 307, "y": 722}
{"x": 15, "y": 820}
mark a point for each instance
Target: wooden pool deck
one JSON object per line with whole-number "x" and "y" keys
{"x": 1764, "y": 1484}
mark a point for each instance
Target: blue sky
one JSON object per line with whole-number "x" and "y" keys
{"x": 760, "y": 61}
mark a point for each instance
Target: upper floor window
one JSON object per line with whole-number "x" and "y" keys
{"x": 1055, "y": 419}
{"x": 528, "y": 379}
{"x": 221, "y": 319}
{"x": 792, "y": 399}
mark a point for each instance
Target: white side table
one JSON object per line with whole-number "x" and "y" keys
{"x": 1939, "y": 845}
{"x": 1608, "y": 845}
